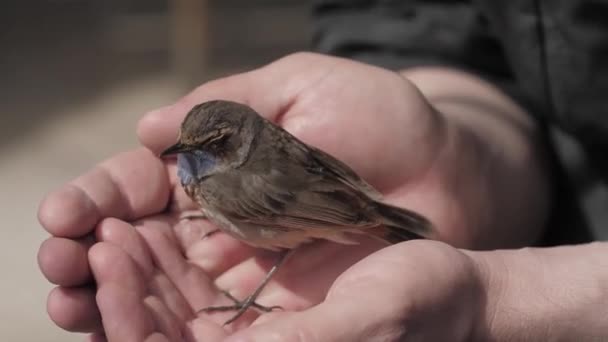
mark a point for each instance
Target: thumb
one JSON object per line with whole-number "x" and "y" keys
{"x": 158, "y": 128}
{"x": 270, "y": 90}
{"x": 400, "y": 292}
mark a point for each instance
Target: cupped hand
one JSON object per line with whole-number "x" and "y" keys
{"x": 153, "y": 271}
{"x": 413, "y": 291}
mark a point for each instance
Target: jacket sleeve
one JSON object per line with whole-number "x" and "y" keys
{"x": 400, "y": 34}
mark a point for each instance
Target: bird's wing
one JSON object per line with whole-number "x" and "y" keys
{"x": 300, "y": 187}
{"x": 286, "y": 201}
{"x": 342, "y": 172}
{"x": 319, "y": 162}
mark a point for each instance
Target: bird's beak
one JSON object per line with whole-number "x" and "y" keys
{"x": 177, "y": 148}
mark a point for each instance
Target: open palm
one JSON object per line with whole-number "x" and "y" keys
{"x": 154, "y": 271}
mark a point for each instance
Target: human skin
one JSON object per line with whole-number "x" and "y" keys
{"x": 463, "y": 156}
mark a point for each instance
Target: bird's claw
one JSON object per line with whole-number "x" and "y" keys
{"x": 239, "y": 306}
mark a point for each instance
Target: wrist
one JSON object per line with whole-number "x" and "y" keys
{"x": 544, "y": 294}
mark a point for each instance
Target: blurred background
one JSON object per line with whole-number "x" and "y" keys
{"x": 75, "y": 76}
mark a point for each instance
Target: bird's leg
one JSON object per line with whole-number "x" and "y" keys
{"x": 241, "y": 306}
{"x": 253, "y": 304}
{"x": 189, "y": 215}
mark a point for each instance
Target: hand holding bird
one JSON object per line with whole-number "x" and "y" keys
{"x": 390, "y": 136}
{"x": 266, "y": 188}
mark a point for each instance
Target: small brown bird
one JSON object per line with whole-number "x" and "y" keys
{"x": 263, "y": 186}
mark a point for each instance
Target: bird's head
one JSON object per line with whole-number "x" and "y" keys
{"x": 214, "y": 136}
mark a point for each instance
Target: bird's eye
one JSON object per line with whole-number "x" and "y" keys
{"x": 207, "y": 140}
{"x": 217, "y": 141}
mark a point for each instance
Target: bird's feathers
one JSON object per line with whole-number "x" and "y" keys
{"x": 271, "y": 190}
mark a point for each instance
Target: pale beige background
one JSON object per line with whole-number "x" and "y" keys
{"x": 74, "y": 78}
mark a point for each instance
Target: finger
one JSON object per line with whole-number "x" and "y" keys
{"x": 191, "y": 282}
{"x": 74, "y": 309}
{"x": 214, "y": 253}
{"x": 205, "y": 330}
{"x": 157, "y": 337}
{"x": 287, "y": 288}
{"x": 124, "y": 235}
{"x": 165, "y": 320}
{"x": 130, "y": 241}
{"x": 127, "y": 186}
{"x": 97, "y": 337}
{"x": 120, "y": 294}
{"x": 64, "y": 261}
{"x": 219, "y": 253}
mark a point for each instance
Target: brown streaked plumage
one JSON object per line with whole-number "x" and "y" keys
{"x": 263, "y": 186}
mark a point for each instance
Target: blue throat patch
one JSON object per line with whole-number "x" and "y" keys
{"x": 195, "y": 165}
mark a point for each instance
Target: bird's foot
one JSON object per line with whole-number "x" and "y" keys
{"x": 240, "y": 307}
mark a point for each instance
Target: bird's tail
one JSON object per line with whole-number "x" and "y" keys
{"x": 399, "y": 224}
